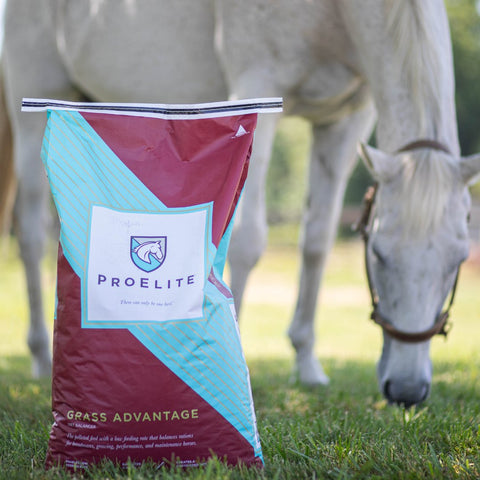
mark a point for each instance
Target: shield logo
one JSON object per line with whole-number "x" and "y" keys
{"x": 148, "y": 253}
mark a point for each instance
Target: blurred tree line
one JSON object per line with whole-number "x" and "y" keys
{"x": 286, "y": 182}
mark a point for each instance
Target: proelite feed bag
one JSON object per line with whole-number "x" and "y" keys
{"x": 147, "y": 360}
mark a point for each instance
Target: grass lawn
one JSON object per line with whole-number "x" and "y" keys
{"x": 345, "y": 430}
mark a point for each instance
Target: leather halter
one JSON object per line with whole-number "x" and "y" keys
{"x": 441, "y": 326}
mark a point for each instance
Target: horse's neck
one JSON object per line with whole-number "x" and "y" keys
{"x": 407, "y": 59}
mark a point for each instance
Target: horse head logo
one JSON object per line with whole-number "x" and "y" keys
{"x": 148, "y": 253}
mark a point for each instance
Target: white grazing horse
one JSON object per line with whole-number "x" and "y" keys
{"x": 337, "y": 63}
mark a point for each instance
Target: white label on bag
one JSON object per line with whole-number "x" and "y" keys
{"x": 146, "y": 266}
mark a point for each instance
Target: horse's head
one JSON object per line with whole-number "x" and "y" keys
{"x": 415, "y": 242}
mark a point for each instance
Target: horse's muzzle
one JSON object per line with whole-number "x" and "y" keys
{"x": 405, "y": 393}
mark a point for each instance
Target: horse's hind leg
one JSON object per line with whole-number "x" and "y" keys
{"x": 32, "y": 68}
{"x": 333, "y": 154}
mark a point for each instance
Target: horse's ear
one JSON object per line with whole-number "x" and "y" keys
{"x": 382, "y": 166}
{"x": 470, "y": 169}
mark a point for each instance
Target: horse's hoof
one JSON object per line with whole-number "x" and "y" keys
{"x": 41, "y": 368}
{"x": 309, "y": 372}
{"x": 39, "y": 343}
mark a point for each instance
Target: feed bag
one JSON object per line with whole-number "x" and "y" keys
{"x": 147, "y": 359}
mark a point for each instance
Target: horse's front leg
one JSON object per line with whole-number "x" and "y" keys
{"x": 31, "y": 214}
{"x": 249, "y": 236}
{"x": 332, "y": 156}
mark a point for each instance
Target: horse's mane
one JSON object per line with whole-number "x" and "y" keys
{"x": 426, "y": 172}
{"x": 409, "y": 23}
{"x": 424, "y": 191}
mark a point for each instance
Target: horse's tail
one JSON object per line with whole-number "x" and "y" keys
{"x": 8, "y": 184}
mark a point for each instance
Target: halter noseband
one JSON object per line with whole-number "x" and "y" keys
{"x": 440, "y": 327}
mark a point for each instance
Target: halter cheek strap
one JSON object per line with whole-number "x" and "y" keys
{"x": 440, "y": 326}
